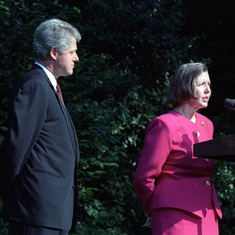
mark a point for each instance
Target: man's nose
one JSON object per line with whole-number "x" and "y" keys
{"x": 76, "y": 58}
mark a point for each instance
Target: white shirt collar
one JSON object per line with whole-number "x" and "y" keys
{"x": 49, "y": 74}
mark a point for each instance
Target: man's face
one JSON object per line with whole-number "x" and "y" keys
{"x": 65, "y": 61}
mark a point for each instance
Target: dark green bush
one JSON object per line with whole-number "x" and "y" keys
{"x": 127, "y": 55}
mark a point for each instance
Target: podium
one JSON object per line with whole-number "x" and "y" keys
{"x": 222, "y": 148}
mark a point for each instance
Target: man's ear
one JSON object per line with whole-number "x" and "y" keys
{"x": 54, "y": 53}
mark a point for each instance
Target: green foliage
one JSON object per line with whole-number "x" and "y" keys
{"x": 224, "y": 182}
{"x": 224, "y": 176}
{"x": 128, "y": 52}
{"x": 106, "y": 110}
{"x": 3, "y": 226}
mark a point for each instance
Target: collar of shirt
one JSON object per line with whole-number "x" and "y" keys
{"x": 49, "y": 74}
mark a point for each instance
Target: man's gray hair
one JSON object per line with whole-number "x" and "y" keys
{"x": 53, "y": 33}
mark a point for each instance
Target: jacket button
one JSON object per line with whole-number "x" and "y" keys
{"x": 208, "y": 183}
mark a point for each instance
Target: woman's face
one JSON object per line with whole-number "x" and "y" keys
{"x": 202, "y": 91}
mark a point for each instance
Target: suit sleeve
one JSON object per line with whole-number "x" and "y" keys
{"x": 26, "y": 116}
{"x": 156, "y": 149}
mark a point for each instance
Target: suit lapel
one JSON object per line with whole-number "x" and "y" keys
{"x": 68, "y": 120}
{"x": 69, "y": 123}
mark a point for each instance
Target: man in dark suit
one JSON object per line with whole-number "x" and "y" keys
{"x": 39, "y": 155}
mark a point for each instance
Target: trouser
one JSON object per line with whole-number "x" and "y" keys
{"x": 18, "y": 228}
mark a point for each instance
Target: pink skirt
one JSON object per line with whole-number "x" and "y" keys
{"x": 171, "y": 221}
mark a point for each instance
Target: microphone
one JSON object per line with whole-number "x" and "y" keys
{"x": 229, "y": 104}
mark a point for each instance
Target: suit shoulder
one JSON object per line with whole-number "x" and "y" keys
{"x": 203, "y": 119}
{"x": 167, "y": 118}
{"x": 163, "y": 121}
{"x": 37, "y": 74}
{"x": 34, "y": 77}
{"x": 33, "y": 80}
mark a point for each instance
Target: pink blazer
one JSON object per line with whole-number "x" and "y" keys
{"x": 168, "y": 175}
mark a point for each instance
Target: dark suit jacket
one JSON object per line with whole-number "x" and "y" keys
{"x": 39, "y": 156}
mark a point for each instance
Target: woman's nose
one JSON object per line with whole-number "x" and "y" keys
{"x": 208, "y": 88}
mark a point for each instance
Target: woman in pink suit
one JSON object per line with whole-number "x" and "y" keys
{"x": 174, "y": 186}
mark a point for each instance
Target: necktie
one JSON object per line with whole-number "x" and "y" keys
{"x": 59, "y": 93}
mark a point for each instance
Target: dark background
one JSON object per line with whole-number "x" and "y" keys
{"x": 128, "y": 53}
